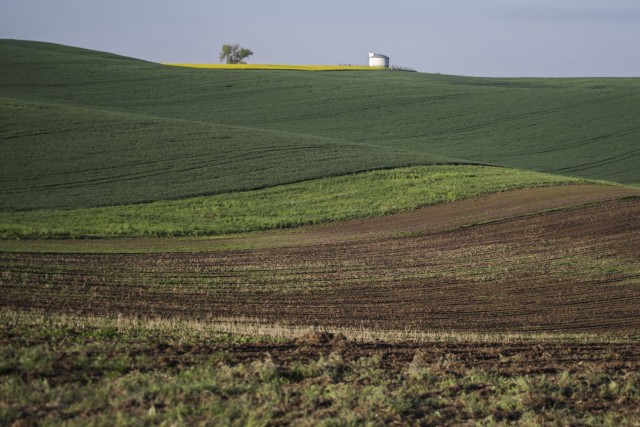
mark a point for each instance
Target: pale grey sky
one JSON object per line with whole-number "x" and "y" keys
{"x": 464, "y": 37}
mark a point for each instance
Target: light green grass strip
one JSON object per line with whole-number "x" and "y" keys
{"x": 339, "y": 198}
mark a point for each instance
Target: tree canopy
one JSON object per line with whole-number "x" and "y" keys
{"x": 234, "y": 54}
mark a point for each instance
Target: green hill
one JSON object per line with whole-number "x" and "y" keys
{"x": 82, "y": 128}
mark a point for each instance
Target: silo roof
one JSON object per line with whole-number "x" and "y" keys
{"x": 378, "y": 55}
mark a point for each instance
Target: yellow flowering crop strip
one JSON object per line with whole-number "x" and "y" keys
{"x": 277, "y": 67}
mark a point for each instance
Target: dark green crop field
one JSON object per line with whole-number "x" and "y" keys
{"x": 81, "y": 128}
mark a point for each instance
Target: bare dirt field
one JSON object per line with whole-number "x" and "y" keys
{"x": 575, "y": 270}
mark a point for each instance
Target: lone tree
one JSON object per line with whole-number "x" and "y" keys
{"x": 234, "y": 54}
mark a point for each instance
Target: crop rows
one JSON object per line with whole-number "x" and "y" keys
{"x": 567, "y": 271}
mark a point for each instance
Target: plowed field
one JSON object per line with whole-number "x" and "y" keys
{"x": 575, "y": 270}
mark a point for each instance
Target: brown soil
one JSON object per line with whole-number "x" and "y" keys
{"x": 566, "y": 271}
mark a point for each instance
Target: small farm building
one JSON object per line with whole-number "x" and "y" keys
{"x": 378, "y": 60}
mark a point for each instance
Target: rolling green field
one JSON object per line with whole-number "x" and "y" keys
{"x": 85, "y": 129}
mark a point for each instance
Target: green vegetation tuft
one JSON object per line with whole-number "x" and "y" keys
{"x": 81, "y": 129}
{"x": 346, "y": 197}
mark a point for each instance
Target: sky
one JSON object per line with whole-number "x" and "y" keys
{"x": 544, "y": 38}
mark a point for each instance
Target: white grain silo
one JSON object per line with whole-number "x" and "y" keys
{"x": 378, "y": 60}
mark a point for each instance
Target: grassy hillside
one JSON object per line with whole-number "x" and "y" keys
{"x": 82, "y": 128}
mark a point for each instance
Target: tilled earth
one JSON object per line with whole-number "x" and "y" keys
{"x": 574, "y": 270}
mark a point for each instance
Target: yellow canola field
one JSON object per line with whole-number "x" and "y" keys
{"x": 277, "y": 67}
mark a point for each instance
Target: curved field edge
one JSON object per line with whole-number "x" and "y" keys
{"x": 362, "y": 195}
{"x": 491, "y": 208}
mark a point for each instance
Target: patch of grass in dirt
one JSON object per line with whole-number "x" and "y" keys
{"x": 55, "y": 372}
{"x": 361, "y": 195}
{"x": 570, "y": 264}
